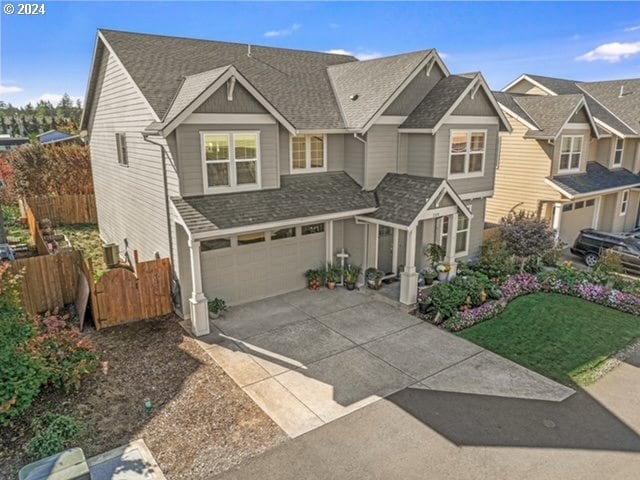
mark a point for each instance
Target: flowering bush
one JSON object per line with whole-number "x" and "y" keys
{"x": 467, "y": 318}
{"x": 520, "y": 284}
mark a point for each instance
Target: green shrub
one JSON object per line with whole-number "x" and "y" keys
{"x": 526, "y": 236}
{"x": 626, "y": 286}
{"x": 551, "y": 257}
{"x": 608, "y": 263}
{"x": 496, "y": 261}
{"x": 53, "y": 432}
{"x": 447, "y": 298}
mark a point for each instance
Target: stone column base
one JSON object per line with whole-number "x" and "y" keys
{"x": 408, "y": 287}
{"x": 199, "y": 316}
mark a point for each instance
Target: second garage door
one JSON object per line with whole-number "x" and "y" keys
{"x": 262, "y": 264}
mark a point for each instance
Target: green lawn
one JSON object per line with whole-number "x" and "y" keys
{"x": 16, "y": 232}
{"x": 87, "y": 238}
{"x": 564, "y": 338}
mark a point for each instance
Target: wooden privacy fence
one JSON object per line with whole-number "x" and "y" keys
{"x": 49, "y": 281}
{"x": 63, "y": 209}
{"x": 123, "y": 296}
{"x": 34, "y": 231}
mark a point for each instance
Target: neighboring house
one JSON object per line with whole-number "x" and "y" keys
{"x": 249, "y": 165}
{"x": 9, "y": 143}
{"x": 573, "y": 156}
{"x": 56, "y": 136}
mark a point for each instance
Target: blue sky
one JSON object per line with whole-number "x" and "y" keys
{"x": 44, "y": 56}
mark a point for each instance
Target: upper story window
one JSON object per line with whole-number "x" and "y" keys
{"x": 466, "y": 153}
{"x": 308, "y": 153}
{"x": 230, "y": 160}
{"x": 570, "y": 153}
{"x": 618, "y": 152}
{"x": 121, "y": 147}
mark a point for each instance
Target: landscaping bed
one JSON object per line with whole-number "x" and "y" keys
{"x": 564, "y": 338}
{"x": 86, "y": 238}
{"x": 200, "y": 422}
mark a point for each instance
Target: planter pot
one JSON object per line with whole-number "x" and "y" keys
{"x": 423, "y": 307}
{"x": 331, "y": 285}
{"x": 442, "y": 276}
{"x": 314, "y": 284}
{"x": 214, "y": 315}
{"x": 351, "y": 286}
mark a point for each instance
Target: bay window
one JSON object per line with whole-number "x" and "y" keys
{"x": 308, "y": 153}
{"x": 230, "y": 160}
{"x": 570, "y": 153}
{"x": 466, "y": 152}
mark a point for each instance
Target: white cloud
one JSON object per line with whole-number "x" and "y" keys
{"x": 285, "y": 32}
{"x": 635, "y": 28}
{"x": 9, "y": 89}
{"x": 359, "y": 56}
{"x": 612, "y": 52}
{"x": 54, "y": 98}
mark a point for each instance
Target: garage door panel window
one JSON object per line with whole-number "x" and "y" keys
{"x": 308, "y": 153}
{"x": 217, "y": 244}
{"x": 231, "y": 160}
{"x": 590, "y": 203}
{"x": 312, "y": 229}
{"x": 283, "y": 233}
{"x": 251, "y": 238}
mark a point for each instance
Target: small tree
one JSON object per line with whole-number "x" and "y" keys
{"x": 526, "y": 236}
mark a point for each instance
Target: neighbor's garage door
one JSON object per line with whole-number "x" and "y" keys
{"x": 263, "y": 264}
{"x": 575, "y": 217}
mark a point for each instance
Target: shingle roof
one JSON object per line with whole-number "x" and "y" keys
{"x": 402, "y": 197}
{"x": 550, "y": 113}
{"x": 600, "y": 100}
{"x": 596, "y": 178}
{"x": 437, "y": 102}
{"x": 300, "y": 196}
{"x": 373, "y": 81}
{"x": 508, "y": 101}
{"x": 295, "y": 82}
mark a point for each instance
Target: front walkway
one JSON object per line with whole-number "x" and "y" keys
{"x": 307, "y": 358}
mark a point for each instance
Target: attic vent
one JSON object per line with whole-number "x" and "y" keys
{"x": 354, "y": 97}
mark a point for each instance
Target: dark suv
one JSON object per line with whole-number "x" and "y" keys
{"x": 590, "y": 244}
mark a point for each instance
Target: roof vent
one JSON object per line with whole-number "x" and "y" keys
{"x": 621, "y": 91}
{"x": 354, "y": 97}
{"x": 248, "y": 50}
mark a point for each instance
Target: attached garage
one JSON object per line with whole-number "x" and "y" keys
{"x": 575, "y": 217}
{"x": 261, "y": 264}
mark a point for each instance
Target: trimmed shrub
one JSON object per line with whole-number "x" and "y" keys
{"x": 496, "y": 261}
{"x": 53, "y": 432}
{"x": 526, "y": 236}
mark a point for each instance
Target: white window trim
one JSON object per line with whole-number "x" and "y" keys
{"x": 624, "y": 204}
{"x": 308, "y": 169}
{"x": 464, "y": 252}
{"x": 232, "y": 187}
{"x": 571, "y": 152}
{"x": 466, "y": 173}
{"x": 615, "y": 150}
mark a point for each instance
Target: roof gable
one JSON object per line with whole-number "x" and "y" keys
{"x": 550, "y": 113}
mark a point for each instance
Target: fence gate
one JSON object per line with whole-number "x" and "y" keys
{"x": 122, "y": 296}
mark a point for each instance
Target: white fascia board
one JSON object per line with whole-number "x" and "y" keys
{"x": 375, "y": 221}
{"x": 230, "y": 118}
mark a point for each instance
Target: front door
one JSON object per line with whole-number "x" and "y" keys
{"x": 385, "y": 249}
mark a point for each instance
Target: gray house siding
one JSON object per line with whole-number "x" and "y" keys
{"x": 130, "y": 200}
{"x": 243, "y": 102}
{"x": 382, "y": 153}
{"x": 190, "y": 154}
{"x": 579, "y": 117}
{"x": 413, "y": 94}
{"x": 469, "y": 184}
{"x": 420, "y": 154}
{"x": 480, "y": 105}
{"x": 476, "y": 231}
{"x": 354, "y": 158}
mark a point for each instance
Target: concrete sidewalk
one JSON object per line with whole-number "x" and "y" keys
{"x": 308, "y": 358}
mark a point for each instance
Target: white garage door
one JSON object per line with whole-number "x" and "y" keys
{"x": 261, "y": 264}
{"x": 575, "y": 217}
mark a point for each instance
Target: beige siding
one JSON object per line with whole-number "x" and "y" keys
{"x": 631, "y": 219}
{"x": 413, "y": 94}
{"x": 604, "y": 151}
{"x": 243, "y": 102}
{"x": 524, "y": 164}
{"x": 471, "y": 184}
{"x": 382, "y": 153}
{"x": 631, "y": 155}
{"x": 480, "y": 105}
{"x": 608, "y": 212}
{"x": 354, "y": 151}
{"x": 586, "y": 144}
{"x": 524, "y": 86}
{"x": 420, "y": 154}
{"x": 190, "y": 154}
{"x": 610, "y": 218}
{"x": 130, "y": 200}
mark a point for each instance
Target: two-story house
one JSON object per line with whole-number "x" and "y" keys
{"x": 248, "y": 165}
{"x": 573, "y": 156}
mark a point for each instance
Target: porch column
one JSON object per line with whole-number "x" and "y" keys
{"x": 557, "y": 217}
{"x": 329, "y": 242}
{"x": 197, "y": 301}
{"x": 450, "y": 257}
{"x": 596, "y": 213}
{"x": 394, "y": 253}
{"x": 409, "y": 278}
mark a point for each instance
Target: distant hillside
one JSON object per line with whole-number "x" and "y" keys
{"x": 29, "y": 121}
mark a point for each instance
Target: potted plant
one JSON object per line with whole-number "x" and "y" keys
{"x": 333, "y": 276}
{"x": 217, "y": 306}
{"x": 374, "y": 278}
{"x": 351, "y": 274}
{"x": 435, "y": 253}
{"x": 443, "y": 271}
{"x": 314, "y": 278}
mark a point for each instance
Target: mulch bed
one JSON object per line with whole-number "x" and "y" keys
{"x": 201, "y": 422}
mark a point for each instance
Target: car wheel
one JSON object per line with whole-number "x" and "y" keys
{"x": 591, "y": 259}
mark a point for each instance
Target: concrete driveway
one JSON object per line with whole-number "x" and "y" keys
{"x": 308, "y": 358}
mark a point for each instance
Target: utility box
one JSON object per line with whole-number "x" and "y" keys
{"x": 67, "y": 465}
{"x": 111, "y": 253}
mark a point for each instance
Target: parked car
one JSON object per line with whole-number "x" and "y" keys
{"x": 590, "y": 243}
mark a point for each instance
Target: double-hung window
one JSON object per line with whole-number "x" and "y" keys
{"x": 461, "y": 235}
{"x": 570, "y": 153}
{"x": 308, "y": 153}
{"x": 618, "y": 152}
{"x": 466, "y": 153}
{"x": 231, "y": 160}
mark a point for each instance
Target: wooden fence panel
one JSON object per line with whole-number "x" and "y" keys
{"x": 49, "y": 281}
{"x": 64, "y": 209}
{"x": 155, "y": 287}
